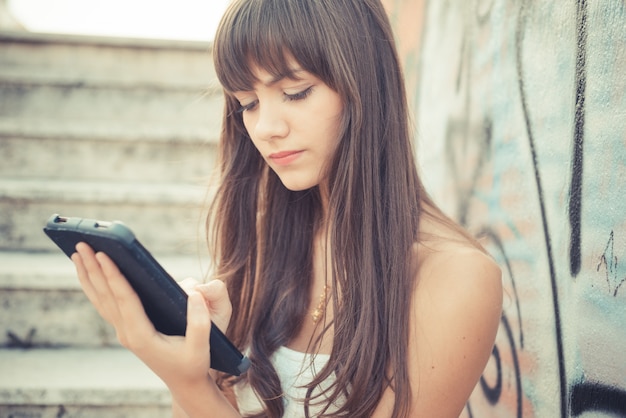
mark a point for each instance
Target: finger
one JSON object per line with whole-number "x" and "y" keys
{"x": 94, "y": 283}
{"x": 137, "y": 326}
{"x": 216, "y": 296}
{"x": 83, "y": 277}
{"x": 113, "y": 275}
{"x": 188, "y": 284}
{"x": 94, "y": 272}
{"x": 198, "y": 326}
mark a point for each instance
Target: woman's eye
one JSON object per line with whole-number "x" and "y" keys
{"x": 300, "y": 95}
{"x": 247, "y": 107}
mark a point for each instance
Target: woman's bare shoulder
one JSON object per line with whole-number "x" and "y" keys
{"x": 454, "y": 263}
{"x": 446, "y": 256}
{"x": 453, "y": 271}
{"x": 456, "y": 311}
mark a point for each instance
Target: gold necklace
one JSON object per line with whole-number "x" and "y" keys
{"x": 318, "y": 312}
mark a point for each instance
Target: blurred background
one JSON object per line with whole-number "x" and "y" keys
{"x": 161, "y": 19}
{"x": 108, "y": 110}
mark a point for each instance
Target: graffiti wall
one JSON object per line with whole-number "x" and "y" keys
{"x": 520, "y": 109}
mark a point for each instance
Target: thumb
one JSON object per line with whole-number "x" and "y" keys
{"x": 198, "y": 323}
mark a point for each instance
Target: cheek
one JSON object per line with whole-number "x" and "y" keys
{"x": 247, "y": 124}
{"x": 332, "y": 150}
{"x": 337, "y": 117}
{"x": 331, "y": 146}
{"x": 335, "y": 132}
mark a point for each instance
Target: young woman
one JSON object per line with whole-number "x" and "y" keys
{"x": 350, "y": 291}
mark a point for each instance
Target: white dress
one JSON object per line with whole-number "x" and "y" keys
{"x": 295, "y": 369}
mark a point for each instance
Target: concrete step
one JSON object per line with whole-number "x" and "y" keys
{"x": 43, "y": 306}
{"x": 96, "y": 383}
{"x": 92, "y": 88}
{"x": 166, "y": 218}
{"x": 120, "y": 160}
{"x": 102, "y": 128}
{"x": 60, "y": 85}
{"x": 69, "y": 59}
{"x": 88, "y": 110}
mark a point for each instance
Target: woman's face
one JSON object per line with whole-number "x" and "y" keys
{"x": 294, "y": 122}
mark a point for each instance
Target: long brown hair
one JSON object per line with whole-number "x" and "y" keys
{"x": 263, "y": 233}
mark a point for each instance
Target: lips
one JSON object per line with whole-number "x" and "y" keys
{"x": 284, "y": 157}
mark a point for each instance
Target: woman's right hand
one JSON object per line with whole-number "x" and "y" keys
{"x": 181, "y": 362}
{"x": 172, "y": 358}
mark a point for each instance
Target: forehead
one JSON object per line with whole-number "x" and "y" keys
{"x": 255, "y": 73}
{"x": 269, "y": 80}
{"x": 271, "y": 35}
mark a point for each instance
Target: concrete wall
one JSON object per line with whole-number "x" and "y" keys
{"x": 521, "y": 117}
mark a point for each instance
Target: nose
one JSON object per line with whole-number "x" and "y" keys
{"x": 270, "y": 123}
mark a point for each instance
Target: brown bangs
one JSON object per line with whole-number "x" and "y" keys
{"x": 267, "y": 34}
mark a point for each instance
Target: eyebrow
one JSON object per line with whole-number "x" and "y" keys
{"x": 291, "y": 74}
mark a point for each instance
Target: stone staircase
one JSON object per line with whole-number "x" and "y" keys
{"x": 101, "y": 128}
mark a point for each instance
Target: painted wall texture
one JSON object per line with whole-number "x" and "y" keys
{"x": 521, "y": 118}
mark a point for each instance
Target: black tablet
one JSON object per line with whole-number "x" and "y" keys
{"x": 164, "y": 301}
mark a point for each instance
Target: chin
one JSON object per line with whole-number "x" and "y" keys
{"x": 297, "y": 185}
{"x": 297, "y": 188}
